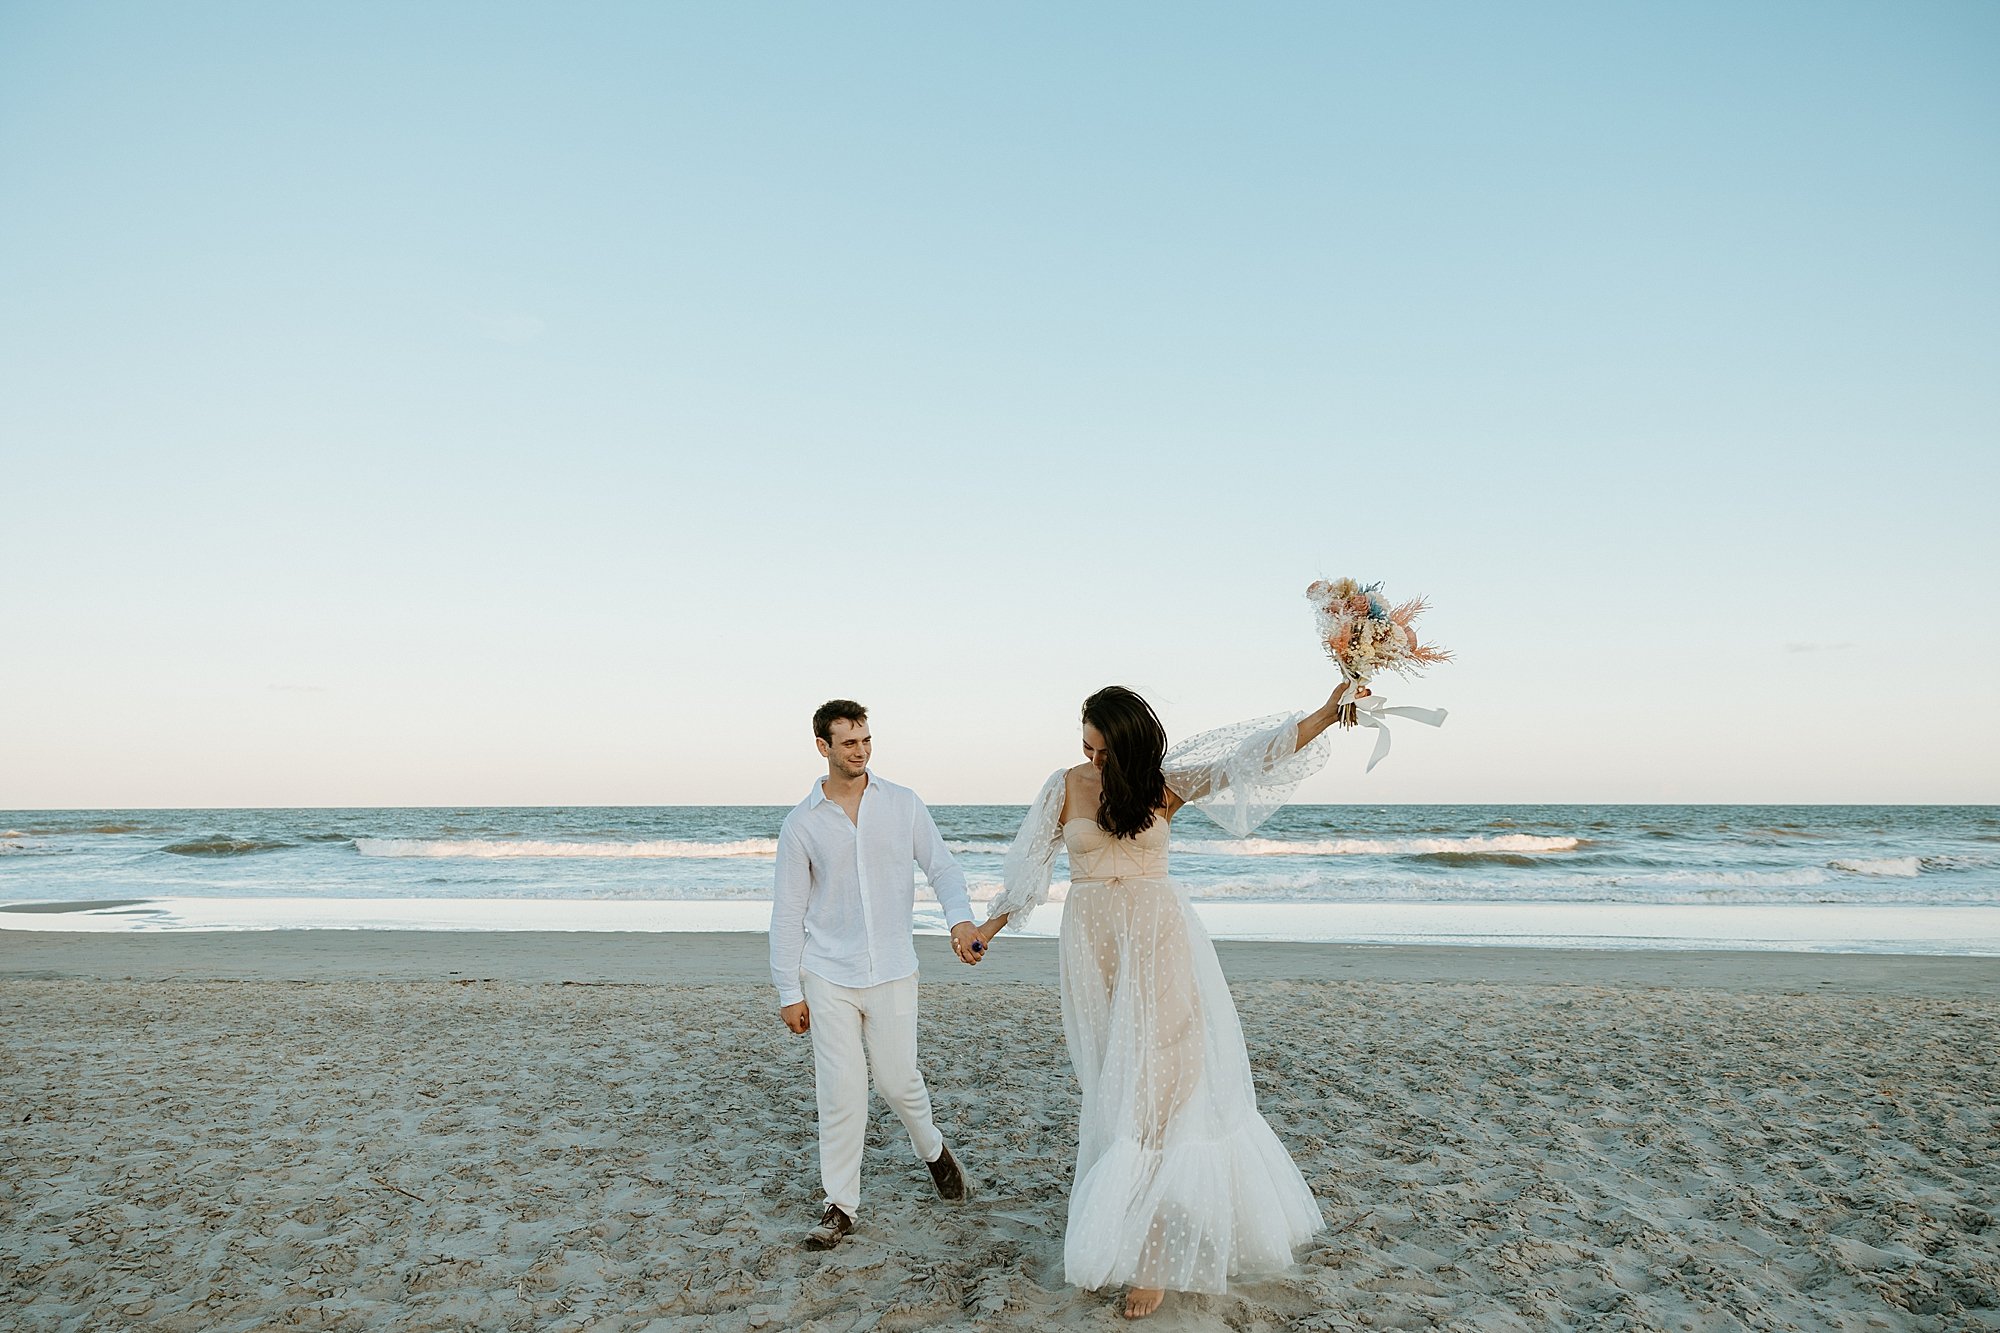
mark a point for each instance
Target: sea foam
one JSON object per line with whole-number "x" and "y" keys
{"x": 1901, "y": 867}
{"x": 485, "y": 849}
{"x": 1517, "y": 843}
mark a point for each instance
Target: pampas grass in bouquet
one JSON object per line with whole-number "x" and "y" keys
{"x": 1365, "y": 635}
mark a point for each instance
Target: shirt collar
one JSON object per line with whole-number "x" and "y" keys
{"x": 817, "y": 796}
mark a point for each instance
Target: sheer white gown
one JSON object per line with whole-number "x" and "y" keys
{"x": 1180, "y": 1183}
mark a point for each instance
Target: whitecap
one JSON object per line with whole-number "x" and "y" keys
{"x": 1508, "y": 842}
{"x": 1901, "y": 867}
{"x": 486, "y": 849}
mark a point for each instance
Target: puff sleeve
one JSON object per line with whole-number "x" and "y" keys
{"x": 1030, "y": 864}
{"x": 1240, "y": 775}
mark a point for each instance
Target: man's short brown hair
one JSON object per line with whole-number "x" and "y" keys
{"x": 824, "y": 715}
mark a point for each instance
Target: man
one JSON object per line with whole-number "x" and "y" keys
{"x": 842, "y": 960}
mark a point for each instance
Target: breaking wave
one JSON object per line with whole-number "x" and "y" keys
{"x": 1902, "y": 867}
{"x": 222, "y": 845}
{"x": 662, "y": 849}
{"x": 484, "y": 849}
{"x": 1516, "y": 843}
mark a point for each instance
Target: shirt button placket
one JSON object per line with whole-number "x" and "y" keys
{"x": 861, "y": 877}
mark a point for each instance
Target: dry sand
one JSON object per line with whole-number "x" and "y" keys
{"x": 385, "y": 1130}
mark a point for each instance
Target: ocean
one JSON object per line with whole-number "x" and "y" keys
{"x": 1923, "y": 879}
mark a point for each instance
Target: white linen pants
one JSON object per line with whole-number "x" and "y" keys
{"x": 853, "y": 1031}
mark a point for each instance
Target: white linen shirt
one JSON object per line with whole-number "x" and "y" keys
{"x": 845, "y": 888}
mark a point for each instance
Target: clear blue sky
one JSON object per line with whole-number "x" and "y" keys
{"x": 552, "y": 404}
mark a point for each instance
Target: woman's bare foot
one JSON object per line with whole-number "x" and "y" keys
{"x": 1142, "y": 1301}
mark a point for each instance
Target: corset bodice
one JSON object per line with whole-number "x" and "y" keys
{"x": 1095, "y": 854}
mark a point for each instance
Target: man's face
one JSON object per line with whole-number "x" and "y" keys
{"x": 847, "y": 753}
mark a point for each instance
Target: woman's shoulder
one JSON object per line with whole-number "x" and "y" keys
{"x": 1057, "y": 784}
{"x": 1080, "y": 781}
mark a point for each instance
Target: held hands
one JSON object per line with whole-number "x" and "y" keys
{"x": 797, "y": 1016}
{"x": 972, "y": 943}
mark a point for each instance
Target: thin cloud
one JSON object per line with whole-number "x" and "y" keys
{"x": 1802, "y": 647}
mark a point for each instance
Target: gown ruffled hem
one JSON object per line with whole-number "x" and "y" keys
{"x": 1134, "y": 1194}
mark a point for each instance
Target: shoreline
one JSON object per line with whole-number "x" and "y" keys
{"x": 640, "y": 958}
{"x": 1938, "y": 930}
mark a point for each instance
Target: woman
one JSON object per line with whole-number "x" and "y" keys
{"x": 1179, "y": 1181}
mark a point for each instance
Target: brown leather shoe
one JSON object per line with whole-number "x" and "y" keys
{"x": 833, "y": 1225}
{"x": 950, "y": 1181}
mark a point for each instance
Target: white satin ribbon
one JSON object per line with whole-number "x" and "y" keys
{"x": 1369, "y": 712}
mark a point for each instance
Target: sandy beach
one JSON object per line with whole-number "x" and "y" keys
{"x": 325, "y": 1129}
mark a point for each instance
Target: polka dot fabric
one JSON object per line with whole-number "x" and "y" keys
{"x": 1180, "y": 1183}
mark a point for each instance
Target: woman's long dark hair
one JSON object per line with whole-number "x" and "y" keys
{"x": 1134, "y": 742}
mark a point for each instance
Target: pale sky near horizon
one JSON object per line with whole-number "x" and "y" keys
{"x": 532, "y": 404}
